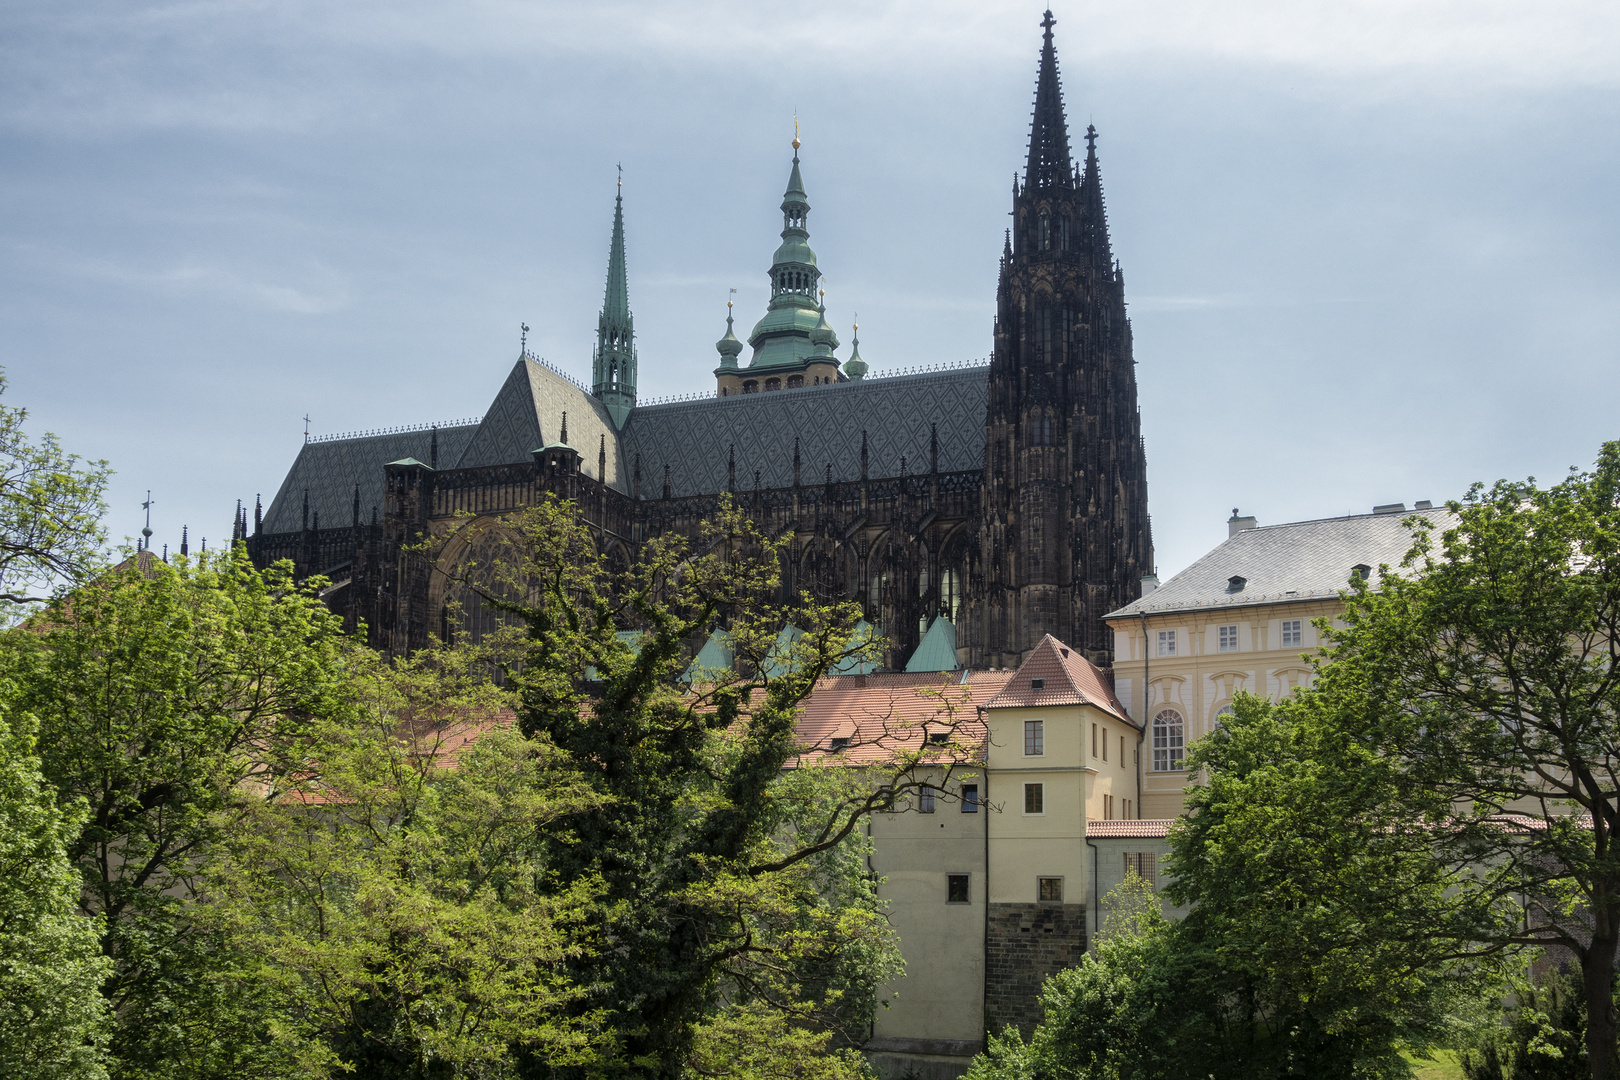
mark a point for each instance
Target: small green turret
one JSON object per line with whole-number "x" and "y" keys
{"x": 728, "y": 347}
{"x": 855, "y": 367}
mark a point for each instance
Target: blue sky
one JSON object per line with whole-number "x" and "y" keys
{"x": 1370, "y": 249}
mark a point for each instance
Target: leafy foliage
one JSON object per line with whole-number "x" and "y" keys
{"x": 50, "y": 513}
{"x": 51, "y": 968}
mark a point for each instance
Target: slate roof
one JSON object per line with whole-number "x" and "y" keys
{"x": 527, "y": 414}
{"x": 1304, "y": 560}
{"x": 695, "y": 438}
{"x": 331, "y": 470}
{"x": 1065, "y": 677}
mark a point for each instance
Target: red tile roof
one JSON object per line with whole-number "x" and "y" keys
{"x": 883, "y": 713}
{"x": 1145, "y": 829}
{"x": 1066, "y": 678}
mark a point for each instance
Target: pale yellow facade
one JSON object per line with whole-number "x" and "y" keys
{"x": 1195, "y": 671}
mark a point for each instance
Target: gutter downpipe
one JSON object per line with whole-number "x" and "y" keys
{"x": 984, "y": 952}
{"x": 1096, "y": 892}
{"x": 1141, "y": 729}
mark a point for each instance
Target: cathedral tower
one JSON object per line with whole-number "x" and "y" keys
{"x": 613, "y": 368}
{"x": 1064, "y": 532}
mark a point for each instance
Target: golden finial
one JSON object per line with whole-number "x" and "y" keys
{"x": 857, "y": 320}
{"x": 795, "y": 129}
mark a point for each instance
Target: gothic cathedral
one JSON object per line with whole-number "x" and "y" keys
{"x": 970, "y": 509}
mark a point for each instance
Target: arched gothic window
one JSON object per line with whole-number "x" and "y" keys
{"x": 1169, "y": 741}
{"x": 1045, "y": 231}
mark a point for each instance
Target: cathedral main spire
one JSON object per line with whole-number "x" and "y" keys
{"x": 1049, "y": 163}
{"x": 613, "y": 368}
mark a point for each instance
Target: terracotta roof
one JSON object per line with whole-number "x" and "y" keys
{"x": 883, "y": 713}
{"x": 1145, "y": 829}
{"x": 1054, "y": 674}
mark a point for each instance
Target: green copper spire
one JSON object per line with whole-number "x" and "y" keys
{"x": 613, "y": 370}
{"x": 728, "y": 347}
{"x": 855, "y": 367}
{"x": 782, "y": 337}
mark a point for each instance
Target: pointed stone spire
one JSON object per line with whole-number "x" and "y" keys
{"x": 1049, "y": 162}
{"x": 1093, "y": 212}
{"x": 258, "y": 514}
{"x": 613, "y": 368}
{"x": 185, "y": 548}
{"x": 357, "y": 506}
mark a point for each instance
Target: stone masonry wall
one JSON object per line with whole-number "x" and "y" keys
{"x": 1028, "y": 942}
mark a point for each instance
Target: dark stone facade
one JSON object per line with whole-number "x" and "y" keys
{"x": 1010, "y": 499}
{"x": 1024, "y": 944}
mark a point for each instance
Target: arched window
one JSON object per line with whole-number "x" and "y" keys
{"x": 1220, "y": 716}
{"x": 795, "y": 381}
{"x": 750, "y": 387}
{"x": 1045, "y": 231}
{"x": 1063, "y": 232}
{"x": 773, "y": 384}
{"x": 1169, "y": 741}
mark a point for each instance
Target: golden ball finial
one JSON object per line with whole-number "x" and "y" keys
{"x": 795, "y": 131}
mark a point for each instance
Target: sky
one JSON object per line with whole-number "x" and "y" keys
{"x": 1371, "y": 248}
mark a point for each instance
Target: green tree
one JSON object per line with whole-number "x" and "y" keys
{"x": 1480, "y": 687}
{"x": 391, "y": 889}
{"x": 51, "y": 1010}
{"x": 50, "y": 514}
{"x": 162, "y": 690}
{"x": 716, "y": 870}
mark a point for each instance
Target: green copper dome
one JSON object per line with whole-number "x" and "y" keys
{"x": 728, "y": 347}
{"x": 783, "y": 337}
{"x": 855, "y": 367}
{"x": 822, "y": 339}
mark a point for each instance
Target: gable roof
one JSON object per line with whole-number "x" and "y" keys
{"x": 1065, "y": 677}
{"x": 937, "y": 650}
{"x": 330, "y": 471}
{"x": 527, "y": 414}
{"x": 696, "y": 438}
{"x": 1304, "y": 560}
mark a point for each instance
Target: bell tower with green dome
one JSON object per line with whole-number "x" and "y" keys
{"x": 613, "y": 367}
{"x": 793, "y": 344}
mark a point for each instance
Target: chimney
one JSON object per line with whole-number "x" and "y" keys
{"x": 1236, "y": 524}
{"x": 1390, "y": 508}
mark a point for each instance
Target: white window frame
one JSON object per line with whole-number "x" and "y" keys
{"x": 1226, "y": 638}
{"x": 1169, "y": 741}
{"x": 1167, "y": 643}
{"x": 1296, "y": 627}
{"x": 925, "y": 799}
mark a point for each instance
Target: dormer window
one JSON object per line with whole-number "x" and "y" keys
{"x": 1037, "y": 684}
{"x": 839, "y": 743}
{"x": 938, "y": 738}
{"x": 1362, "y": 571}
{"x": 1236, "y": 583}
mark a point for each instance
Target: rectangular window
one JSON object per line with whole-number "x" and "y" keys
{"x": 1049, "y": 890}
{"x": 970, "y": 798}
{"x": 1122, "y": 751}
{"x": 1167, "y": 643}
{"x": 1034, "y": 799}
{"x": 925, "y": 800}
{"x": 1127, "y": 814}
{"x": 1228, "y": 639}
{"x": 1142, "y": 862}
{"x": 1293, "y": 632}
{"x": 1105, "y": 744}
{"x": 956, "y": 888}
{"x": 1034, "y": 738}
{"x": 1093, "y": 740}
{"x": 1108, "y": 808}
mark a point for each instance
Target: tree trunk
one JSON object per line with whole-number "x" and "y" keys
{"x": 1597, "y": 977}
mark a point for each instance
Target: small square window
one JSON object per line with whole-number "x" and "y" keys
{"x": 956, "y": 888}
{"x": 970, "y": 798}
{"x": 1037, "y": 684}
{"x": 1167, "y": 643}
{"x": 1034, "y": 798}
{"x": 1049, "y": 889}
{"x": 1293, "y": 631}
{"x": 1228, "y": 639}
{"x": 1142, "y": 862}
{"x": 1034, "y": 738}
{"x": 925, "y": 800}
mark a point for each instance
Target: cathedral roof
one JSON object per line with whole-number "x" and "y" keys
{"x": 331, "y": 470}
{"x": 527, "y": 414}
{"x": 695, "y": 438}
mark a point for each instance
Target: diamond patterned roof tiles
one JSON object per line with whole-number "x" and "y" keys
{"x": 331, "y": 470}
{"x": 527, "y": 414}
{"x": 695, "y": 438}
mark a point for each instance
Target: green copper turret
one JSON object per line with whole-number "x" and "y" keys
{"x": 782, "y": 337}
{"x": 613, "y": 369}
